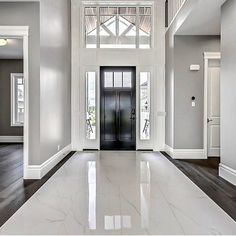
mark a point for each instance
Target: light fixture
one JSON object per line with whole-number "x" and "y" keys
{"x": 195, "y": 67}
{"x": 3, "y": 42}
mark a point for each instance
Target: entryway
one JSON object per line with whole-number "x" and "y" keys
{"x": 15, "y": 112}
{"x": 118, "y": 108}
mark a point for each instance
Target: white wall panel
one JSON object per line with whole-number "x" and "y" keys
{"x": 154, "y": 59}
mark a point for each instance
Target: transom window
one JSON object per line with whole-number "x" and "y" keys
{"x": 118, "y": 27}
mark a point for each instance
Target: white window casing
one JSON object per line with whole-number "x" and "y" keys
{"x": 17, "y": 99}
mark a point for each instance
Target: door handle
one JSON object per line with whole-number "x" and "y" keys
{"x": 133, "y": 115}
{"x": 209, "y": 120}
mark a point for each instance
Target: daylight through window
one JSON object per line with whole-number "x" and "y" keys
{"x": 145, "y": 105}
{"x": 118, "y": 27}
{"x": 91, "y": 118}
{"x": 17, "y": 100}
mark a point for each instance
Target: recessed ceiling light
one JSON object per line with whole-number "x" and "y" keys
{"x": 3, "y": 42}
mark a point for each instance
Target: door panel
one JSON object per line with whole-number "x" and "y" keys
{"x": 118, "y": 108}
{"x": 125, "y": 110}
{"x": 109, "y": 115}
{"x": 214, "y": 112}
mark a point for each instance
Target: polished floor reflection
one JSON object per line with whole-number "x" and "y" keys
{"x": 119, "y": 193}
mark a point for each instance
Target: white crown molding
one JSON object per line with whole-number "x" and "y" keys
{"x": 184, "y": 154}
{"x": 14, "y": 30}
{"x": 11, "y": 139}
{"x": 227, "y": 173}
{"x": 39, "y": 171}
{"x": 212, "y": 55}
{"x": 117, "y": 3}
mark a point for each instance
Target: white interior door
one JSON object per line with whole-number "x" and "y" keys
{"x": 214, "y": 112}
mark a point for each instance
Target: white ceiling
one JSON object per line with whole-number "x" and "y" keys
{"x": 13, "y": 49}
{"x": 204, "y": 19}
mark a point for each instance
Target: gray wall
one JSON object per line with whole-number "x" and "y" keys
{"x": 228, "y": 84}
{"x": 170, "y": 72}
{"x": 55, "y": 77}
{"x": 184, "y": 124}
{"x": 27, "y": 14}
{"x": 49, "y": 72}
{"x": 188, "y": 121}
{"x": 6, "y": 68}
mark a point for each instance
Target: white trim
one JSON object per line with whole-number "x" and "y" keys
{"x": 212, "y": 55}
{"x": 193, "y": 154}
{"x": 169, "y": 150}
{"x": 227, "y": 173}
{"x": 207, "y": 56}
{"x": 11, "y": 139}
{"x": 39, "y": 171}
{"x": 22, "y": 32}
{"x": 98, "y": 5}
{"x": 174, "y": 17}
{"x": 18, "y": 31}
{"x": 122, "y": 3}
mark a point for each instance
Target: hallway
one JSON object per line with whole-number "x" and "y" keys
{"x": 119, "y": 193}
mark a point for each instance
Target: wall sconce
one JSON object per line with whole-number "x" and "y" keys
{"x": 194, "y": 67}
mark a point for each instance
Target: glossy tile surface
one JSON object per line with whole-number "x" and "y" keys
{"x": 119, "y": 193}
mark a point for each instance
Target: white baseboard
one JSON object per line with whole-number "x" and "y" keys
{"x": 39, "y": 171}
{"x": 228, "y": 174}
{"x": 169, "y": 150}
{"x": 11, "y": 139}
{"x": 185, "y": 153}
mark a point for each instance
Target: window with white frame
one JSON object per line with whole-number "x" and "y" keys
{"x": 118, "y": 27}
{"x": 17, "y": 99}
{"x": 91, "y": 108}
{"x": 145, "y": 105}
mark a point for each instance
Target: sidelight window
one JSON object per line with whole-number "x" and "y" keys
{"x": 118, "y": 27}
{"x": 91, "y": 118}
{"x": 145, "y": 105}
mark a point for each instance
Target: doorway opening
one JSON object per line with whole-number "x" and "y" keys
{"x": 212, "y": 114}
{"x": 14, "y": 109}
{"x": 118, "y": 108}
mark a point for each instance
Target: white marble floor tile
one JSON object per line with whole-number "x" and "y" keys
{"x": 119, "y": 193}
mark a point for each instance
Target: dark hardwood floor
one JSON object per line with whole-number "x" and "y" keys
{"x": 204, "y": 173}
{"x": 14, "y": 191}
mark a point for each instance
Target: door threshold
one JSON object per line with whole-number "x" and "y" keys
{"x": 145, "y": 150}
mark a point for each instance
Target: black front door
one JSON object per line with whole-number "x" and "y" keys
{"x": 118, "y": 113}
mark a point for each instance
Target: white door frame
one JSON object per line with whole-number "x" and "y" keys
{"x": 22, "y": 32}
{"x": 95, "y": 144}
{"x": 207, "y": 56}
